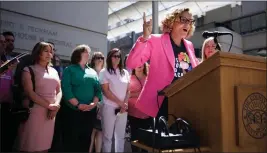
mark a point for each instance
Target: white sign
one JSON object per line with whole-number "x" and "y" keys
{"x": 30, "y": 30}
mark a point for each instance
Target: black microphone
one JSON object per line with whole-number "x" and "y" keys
{"x": 207, "y": 34}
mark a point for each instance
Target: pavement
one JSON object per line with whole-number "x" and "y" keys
{"x": 127, "y": 146}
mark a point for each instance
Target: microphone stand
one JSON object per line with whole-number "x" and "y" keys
{"x": 216, "y": 42}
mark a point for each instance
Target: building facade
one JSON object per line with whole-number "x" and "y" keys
{"x": 247, "y": 22}
{"x": 66, "y": 24}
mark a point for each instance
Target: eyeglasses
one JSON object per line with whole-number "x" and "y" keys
{"x": 184, "y": 20}
{"x": 116, "y": 56}
{"x": 98, "y": 58}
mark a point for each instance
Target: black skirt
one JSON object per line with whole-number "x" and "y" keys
{"x": 97, "y": 124}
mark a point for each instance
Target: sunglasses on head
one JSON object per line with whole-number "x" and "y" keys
{"x": 116, "y": 56}
{"x": 98, "y": 58}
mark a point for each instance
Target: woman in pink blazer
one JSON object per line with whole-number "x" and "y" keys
{"x": 170, "y": 54}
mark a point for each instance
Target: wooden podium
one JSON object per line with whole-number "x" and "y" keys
{"x": 224, "y": 99}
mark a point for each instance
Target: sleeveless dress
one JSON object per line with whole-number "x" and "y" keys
{"x": 36, "y": 133}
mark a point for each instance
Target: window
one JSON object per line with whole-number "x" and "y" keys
{"x": 235, "y": 26}
{"x": 245, "y": 25}
{"x": 258, "y": 21}
{"x": 199, "y": 21}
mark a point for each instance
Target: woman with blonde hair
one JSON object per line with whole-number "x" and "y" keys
{"x": 97, "y": 63}
{"x": 170, "y": 55}
{"x": 208, "y": 48}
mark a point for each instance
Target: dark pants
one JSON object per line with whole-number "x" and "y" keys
{"x": 9, "y": 128}
{"x": 57, "y": 145}
{"x": 135, "y": 124}
{"x": 77, "y": 130}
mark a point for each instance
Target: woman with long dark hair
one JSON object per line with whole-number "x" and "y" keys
{"x": 36, "y": 134}
{"x": 137, "y": 119}
{"x": 115, "y": 82}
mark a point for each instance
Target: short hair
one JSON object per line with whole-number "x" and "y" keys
{"x": 77, "y": 52}
{"x": 3, "y": 46}
{"x": 167, "y": 23}
{"x": 96, "y": 54}
{"x": 8, "y": 33}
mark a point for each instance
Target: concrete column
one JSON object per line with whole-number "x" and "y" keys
{"x": 133, "y": 37}
{"x": 155, "y": 17}
{"x": 108, "y": 48}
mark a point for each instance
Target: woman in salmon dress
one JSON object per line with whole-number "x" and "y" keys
{"x": 36, "y": 134}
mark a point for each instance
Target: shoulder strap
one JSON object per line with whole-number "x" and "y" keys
{"x": 139, "y": 82}
{"x": 33, "y": 84}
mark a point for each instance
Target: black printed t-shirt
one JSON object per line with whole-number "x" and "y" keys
{"x": 182, "y": 63}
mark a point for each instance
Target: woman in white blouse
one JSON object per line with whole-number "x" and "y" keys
{"x": 115, "y": 82}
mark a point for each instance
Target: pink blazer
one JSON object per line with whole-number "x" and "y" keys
{"x": 158, "y": 50}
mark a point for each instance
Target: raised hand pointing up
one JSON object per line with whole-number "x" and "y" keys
{"x": 157, "y": 48}
{"x": 147, "y": 27}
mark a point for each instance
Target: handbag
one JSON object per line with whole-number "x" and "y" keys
{"x": 19, "y": 113}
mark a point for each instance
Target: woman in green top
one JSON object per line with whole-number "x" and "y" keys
{"x": 82, "y": 92}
